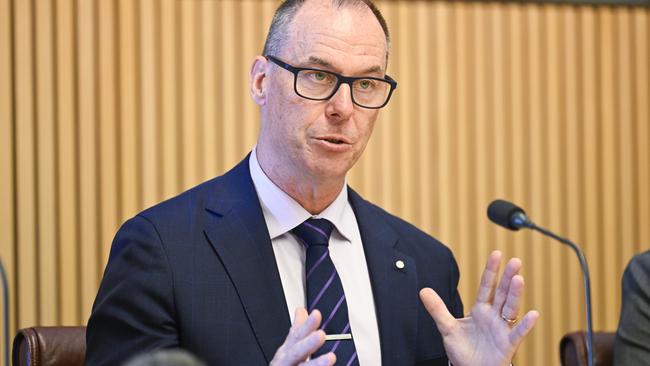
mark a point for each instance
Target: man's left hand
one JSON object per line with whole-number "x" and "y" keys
{"x": 488, "y": 336}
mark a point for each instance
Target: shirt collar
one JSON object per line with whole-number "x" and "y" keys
{"x": 282, "y": 213}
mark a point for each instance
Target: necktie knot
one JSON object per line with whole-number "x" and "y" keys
{"x": 314, "y": 232}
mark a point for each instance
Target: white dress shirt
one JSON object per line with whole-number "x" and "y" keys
{"x": 282, "y": 213}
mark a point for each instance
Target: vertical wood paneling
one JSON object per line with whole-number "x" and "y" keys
{"x": 443, "y": 91}
{"x": 534, "y": 124}
{"x": 253, "y": 23}
{"x": 87, "y": 137}
{"x": 67, "y": 169}
{"x": 516, "y": 110}
{"x": 26, "y": 214}
{"x": 549, "y": 158}
{"x": 386, "y": 138}
{"x": 404, "y": 132}
{"x": 641, "y": 49}
{"x": 190, "y": 99}
{"x": 129, "y": 106}
{"x": 108, "y": 107}
{"x": 107, "y": 113}
{"x": 608, "y": 158}
{"x": 170, "y": 108}
{"x": 571, "y": 138}
{"x": 459, "y": 153}
{"x": 209, "y": 86}
{"x": 46, "y": 164}
{"x": 497, "y": 133}
{"x": 424, "y": 124}
{"x": 7, "y": 159}
{"x": 589, "y": 156}
{"x": 626, "y": 237}
{"x": 515, "y": 98}
{"x": 229, "y": 64}
{"x": 149, "y": 66}
{"x": 482, "y": 168}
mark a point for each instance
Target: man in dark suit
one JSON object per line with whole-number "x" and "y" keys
{"x": 219, "y": 269}
{"x": 632, "y": 345}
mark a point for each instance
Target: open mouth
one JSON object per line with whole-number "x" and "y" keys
{"x": 335, "y": 141}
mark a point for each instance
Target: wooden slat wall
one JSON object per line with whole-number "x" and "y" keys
{"x": 7, "y": 169}
{"x": 107, "y": 107}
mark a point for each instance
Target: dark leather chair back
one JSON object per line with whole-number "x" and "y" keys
{"x": 573, "y": 349}
{"x": 50, "y": 346}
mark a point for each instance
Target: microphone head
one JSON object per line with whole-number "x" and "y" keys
{"x": 507, "y": 214}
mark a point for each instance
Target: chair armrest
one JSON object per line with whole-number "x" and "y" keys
{"x": 573, "y": 349}
{"x": 50, "y": 346}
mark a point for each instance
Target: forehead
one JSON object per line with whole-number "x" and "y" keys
{"x": 347, "y": 37}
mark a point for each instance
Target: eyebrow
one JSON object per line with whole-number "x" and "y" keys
{"x": 324, "y": 63}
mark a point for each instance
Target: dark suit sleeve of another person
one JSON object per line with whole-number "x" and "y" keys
{"x": 632, "y": 346}
{"x": 134, "y": 303}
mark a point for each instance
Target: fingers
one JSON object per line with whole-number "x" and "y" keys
{"x": 523, "y": 327}
{"x": 328, "y": 359}
{"x": 512, "y": 268}
{"x": 489, "y": 278}
{"x": 510, "y": 309}
{"x": 303, "y": 340}
{"x": 303, "y": 325}
{"x": 305, "y": 347}
{"x": 438, "y": 310}
{"x": 299, "y": 317}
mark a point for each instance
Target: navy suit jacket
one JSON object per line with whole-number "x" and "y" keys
{"x": 198, "y": 272}
{"x": 632, "y": 345}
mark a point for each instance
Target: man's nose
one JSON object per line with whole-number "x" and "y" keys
{"x": 340, "y": 105}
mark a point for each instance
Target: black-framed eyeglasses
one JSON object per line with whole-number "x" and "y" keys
{"x": 317, "y": 84}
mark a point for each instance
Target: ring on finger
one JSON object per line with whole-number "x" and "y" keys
{"x": 511, "y": 322}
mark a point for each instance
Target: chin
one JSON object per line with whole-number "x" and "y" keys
{"x": 331, "y": 169}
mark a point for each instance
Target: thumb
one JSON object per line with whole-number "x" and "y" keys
{"x": 438, "y": 310}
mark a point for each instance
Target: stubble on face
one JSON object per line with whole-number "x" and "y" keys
{"x": 293, "y": 147}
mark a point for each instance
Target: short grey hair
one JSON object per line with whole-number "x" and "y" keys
{"x": 287, "y": 10}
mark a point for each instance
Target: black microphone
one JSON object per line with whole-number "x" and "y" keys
{"x": 512, "y": 217}
{"x": 508, "y": 215}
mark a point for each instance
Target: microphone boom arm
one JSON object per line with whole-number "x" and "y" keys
{"x": 585, "y": 275}
{"x": 512, "y": 217}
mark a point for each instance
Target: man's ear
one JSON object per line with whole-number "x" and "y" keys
{"x": 257, "y": 83}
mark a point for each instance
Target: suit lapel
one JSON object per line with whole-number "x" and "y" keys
{"x": 237, "y": 231}
{"x": 393, "y": 288}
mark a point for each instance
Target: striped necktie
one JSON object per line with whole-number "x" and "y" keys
{"x": 325, "y": 291}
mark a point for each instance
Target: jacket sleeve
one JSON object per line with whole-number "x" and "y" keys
{"x": 632, "y": 345}
{"x": 134, "y": 307}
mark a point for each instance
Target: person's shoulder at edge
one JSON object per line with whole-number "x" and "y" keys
{"x": 201, "y": 196}
{"x": 631, "y": 343}
{"x": 640, "y": 263}
{"x": 636, "y": 277}
{"x": 179, "y": 215}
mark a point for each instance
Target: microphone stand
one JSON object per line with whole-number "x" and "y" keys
{"x": 512, "y": 217}
{"x": 585, "y": 275}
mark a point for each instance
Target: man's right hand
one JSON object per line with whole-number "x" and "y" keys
{"x": 304, "y": 339}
